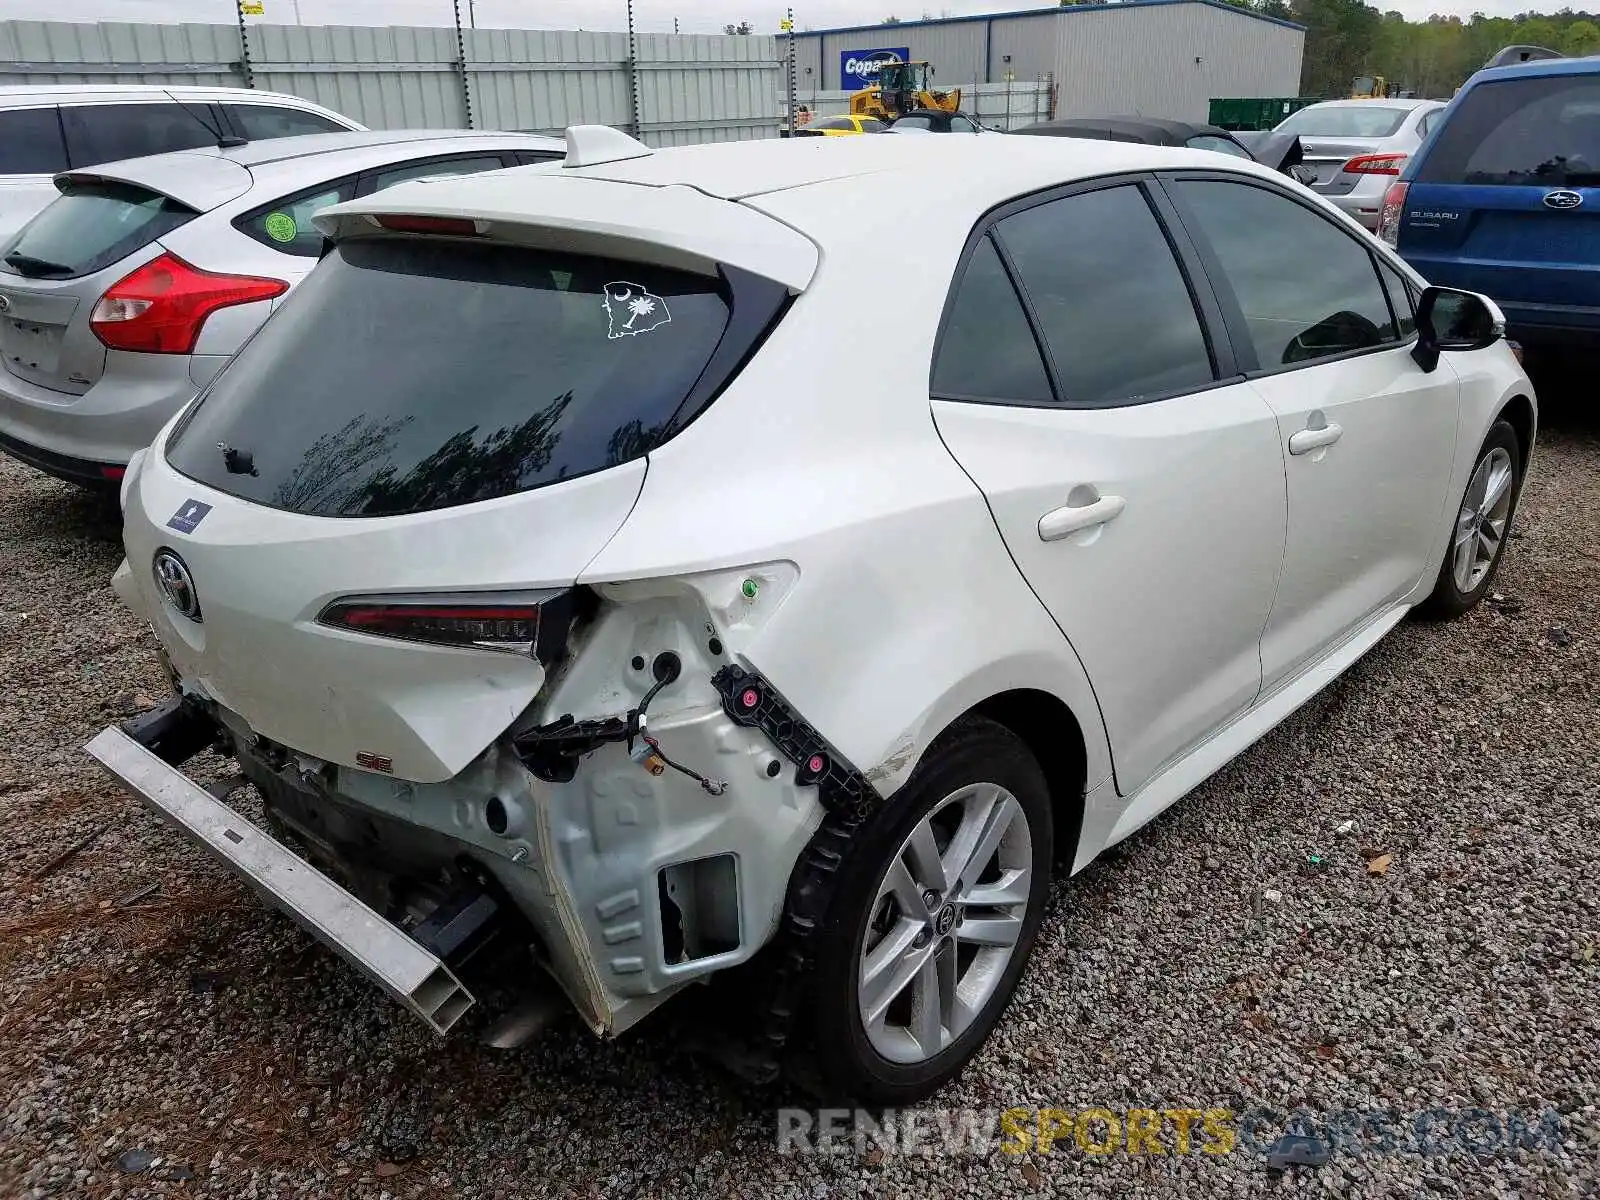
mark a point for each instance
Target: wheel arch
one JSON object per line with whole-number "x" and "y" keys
{"x": 1519, "y": 413}
{"x": 1052, "y": 733}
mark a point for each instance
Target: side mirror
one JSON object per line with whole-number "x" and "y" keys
{"x": 1449, "y": 319}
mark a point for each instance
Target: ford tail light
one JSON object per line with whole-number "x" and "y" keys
{"x": 161, "y": 307}
{"x": 1394, "y": 203}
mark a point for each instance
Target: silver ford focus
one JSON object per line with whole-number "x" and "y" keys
{"x": 123, "y": 297}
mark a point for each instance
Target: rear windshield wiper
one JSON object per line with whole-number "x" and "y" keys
{"x": 35, "y": 268}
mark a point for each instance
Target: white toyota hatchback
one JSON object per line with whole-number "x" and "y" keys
{"x": 556, "y": 565}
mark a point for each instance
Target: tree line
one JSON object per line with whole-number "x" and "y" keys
{"x": 1346, "y": 39}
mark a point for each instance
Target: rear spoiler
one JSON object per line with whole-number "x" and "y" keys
{"x": 200, "y": 180}
{"x": 1512, "y": 55}
{"x": 670, "y": 226}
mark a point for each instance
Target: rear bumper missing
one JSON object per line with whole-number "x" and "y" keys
{"x": 382, "y": 951}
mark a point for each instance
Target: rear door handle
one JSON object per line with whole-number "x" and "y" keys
{"x": 1308, "y": 440}
{"x": 1073, "y": 518}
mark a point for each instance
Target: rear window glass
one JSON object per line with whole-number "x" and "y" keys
{"x": 30, "y": 142}
{"x": 90, "y": 226}
{"x": 1542, "y": 132}
{"x": 1355, "y": 120}
{"x": 410, "y": 374}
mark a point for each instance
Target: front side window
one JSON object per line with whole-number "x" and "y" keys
{"x": 411, "y": 374}
{"x": 30, "y": 142}
{"x": 988, "y": 351}
{"x": 1307, "y": 290}
{"x": 1538, "y": 132}
{"x": 262, "y": 122}
{"x": 1111, "y": 302}
{"x": 102, "y": 133}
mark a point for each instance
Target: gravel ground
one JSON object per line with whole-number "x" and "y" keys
{"x": 151, "y": 1010}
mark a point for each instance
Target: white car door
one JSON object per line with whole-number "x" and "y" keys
{"x": 1369, "y": 436}
{"x": 1135, "y": 477}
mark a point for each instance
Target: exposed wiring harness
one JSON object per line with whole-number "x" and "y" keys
{"x": 552, "y": 751}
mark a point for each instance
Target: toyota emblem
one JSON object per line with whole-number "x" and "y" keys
{"x": 176, "y": 584}
{"x": 1563, "y": 198}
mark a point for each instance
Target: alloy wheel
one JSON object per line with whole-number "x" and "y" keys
{"x": 1481, "y": 524}
{"x": 946, "y": 918}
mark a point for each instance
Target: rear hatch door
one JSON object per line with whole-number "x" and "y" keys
{"x": 102, "y": 225}
{"x": 430, "y": 419}
{"x": 1506, "y": 200}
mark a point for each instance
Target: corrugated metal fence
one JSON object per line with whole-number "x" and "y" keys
{"x": 675, "y": 90}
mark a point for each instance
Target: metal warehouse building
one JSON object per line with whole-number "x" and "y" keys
{"x": 1153, "y": 58}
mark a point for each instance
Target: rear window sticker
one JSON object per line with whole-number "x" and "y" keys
{"x": 189, "y": 516}
{"x": 630, "y": 309}
{"x": 280, "y": 227}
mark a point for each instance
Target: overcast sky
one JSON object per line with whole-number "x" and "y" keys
{"x": 694, "y": 16}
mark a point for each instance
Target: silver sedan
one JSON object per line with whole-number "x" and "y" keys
{"x": 1359, "y": 147}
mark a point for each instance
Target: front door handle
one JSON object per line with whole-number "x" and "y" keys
{"x": 1073, "y": 518}
{"x": 1308, "y": 440}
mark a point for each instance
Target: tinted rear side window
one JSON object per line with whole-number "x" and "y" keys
{"x": 988, "y": 351}
{"x": 285, "y": 224}
{"x": 89, "y": 227}
{"x": 1542, "y": 132}
{"x": 102, "y": 133}
{"x": 260, "y": 122}
{"x": 412, "y": 374}
{"x": 30, "y": 142}
{"x": 1114, "y": 308}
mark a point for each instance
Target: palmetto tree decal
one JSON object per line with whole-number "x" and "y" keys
{"x": 632, "y": 309}
{"x": 639, "y": 306}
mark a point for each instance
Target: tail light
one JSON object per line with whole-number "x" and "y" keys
{"x": 160, "y": 308}
{"x": 451, "y": 226}
{"x": 1394, "y": 203}
{"x": 522, "y": 623}
{"x": 1375, "y": 164}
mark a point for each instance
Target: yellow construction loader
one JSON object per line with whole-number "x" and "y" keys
{"x": 902, "y": 87}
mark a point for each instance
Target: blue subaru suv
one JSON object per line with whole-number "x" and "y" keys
{"x": 1504, "y": 198}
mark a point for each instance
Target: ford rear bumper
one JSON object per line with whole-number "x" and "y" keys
{"x": 380, "y": 950}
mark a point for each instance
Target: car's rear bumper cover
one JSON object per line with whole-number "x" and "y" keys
{"x": 120, "y": 414}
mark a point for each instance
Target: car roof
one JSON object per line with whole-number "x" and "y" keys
{"x": 1537, "y": 67}
{"x": 1376, "y": 102}
{"x": 1148, "y": 130}
{"x": 206, "y": 177}
{"x": 20, "y": 93}
{"x": 735, "y": 170}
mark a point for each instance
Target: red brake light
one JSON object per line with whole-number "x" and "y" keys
{"x": 160, "y": 308}
{"x": 109, "y": 472}
{"x": 513, "y": 627}
{"x": 454, "y": 226}
{"x": 1375, "y": 164}
{"x": 1394, "y": 203}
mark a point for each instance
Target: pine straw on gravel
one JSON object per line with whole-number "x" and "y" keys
{"x": 147, "y": 1002}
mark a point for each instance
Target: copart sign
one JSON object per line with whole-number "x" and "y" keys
{"x": 859, "y": 68}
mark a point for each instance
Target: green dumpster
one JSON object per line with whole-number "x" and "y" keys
{"x": 1255, "y": 112}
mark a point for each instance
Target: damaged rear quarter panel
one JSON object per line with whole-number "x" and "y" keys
{"x": 907, "y": 610}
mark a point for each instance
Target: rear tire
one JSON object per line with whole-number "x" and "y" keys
{"x": 1481, "y": 527}
{"x": 937, "y": 909}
